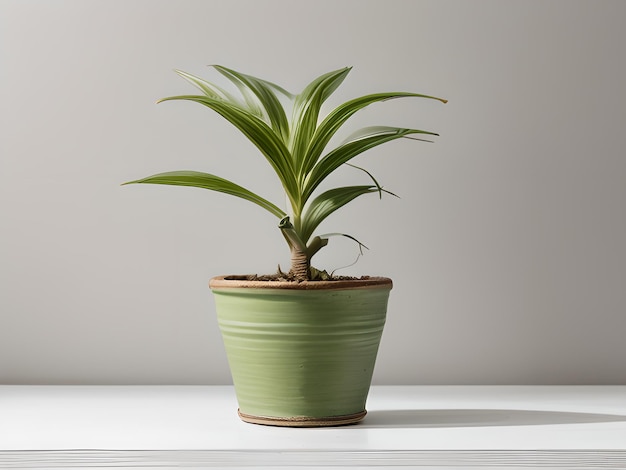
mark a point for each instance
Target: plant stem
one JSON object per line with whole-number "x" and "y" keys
{"x": 300, "y": 258}
{"x": 300, "y": 264}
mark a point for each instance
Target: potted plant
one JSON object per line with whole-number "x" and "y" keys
{"x": 301, "y": 344}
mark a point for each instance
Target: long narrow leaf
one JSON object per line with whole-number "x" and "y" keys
{"x": 381, "y": 130}
{"x": 211, "y": 182}
{"x": 327, "y": 203}
{"x": 376, "y": 183}
{"x": 306, "y": 111}
{"x": 259, "y": 81}
{"x": 209, "y": 89}
{"x": 259, "y": 133}
{"x": 263, "y": 90}
{"x": 251, "y": 102}
{"x": 364, "y": 140}
{"x": 329, "y": 126}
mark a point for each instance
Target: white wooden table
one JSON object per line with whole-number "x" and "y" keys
{"x": 407, "y": 426}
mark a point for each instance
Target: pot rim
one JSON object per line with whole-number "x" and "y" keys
{"x": 231, "y": 281}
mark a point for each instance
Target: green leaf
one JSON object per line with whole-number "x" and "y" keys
{"x": 259, "y": 133}
{"x": 382, "y": 130}
{"x": 306, "y": 112}
{"x": 209, "y": 89}
{"x": 252, "y": 105}
{"x": 263, "y": 90}
{"x": 214, "y": 183}
{"x": 358, "y": 143}
{"x": 361, "y": 245}
{"x": 329, "y": 126}
{"x": 378, "y": 186}
{"x": 327, "y": 203}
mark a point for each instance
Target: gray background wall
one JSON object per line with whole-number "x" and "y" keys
{"x": 506, "y": 248}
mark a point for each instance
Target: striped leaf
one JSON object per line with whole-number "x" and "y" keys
{"x": 259, "y": 133}
{"x": 306, "y": 112}
{"x": 264, "y": 93}
{"x": 356, "y": 144}
{"x": 211, "y": 182}
{"x": 337, "y": 118}
{"x": 209, "y": 89}
{"x": 327, "y": 203}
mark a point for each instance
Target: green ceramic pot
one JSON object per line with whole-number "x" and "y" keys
{"x": 301, "y": 354}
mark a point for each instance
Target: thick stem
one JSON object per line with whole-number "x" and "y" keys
{"x": 300, "y": 265}
{"x": 300, "y": 254}
{"x": 300, "y": 259}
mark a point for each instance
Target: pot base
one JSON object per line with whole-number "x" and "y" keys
{"x": 303, "y": 421}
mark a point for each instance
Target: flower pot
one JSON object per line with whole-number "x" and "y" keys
{"x": 301, "y": 354}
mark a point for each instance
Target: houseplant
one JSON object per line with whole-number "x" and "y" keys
{"x": 302, "y": 344}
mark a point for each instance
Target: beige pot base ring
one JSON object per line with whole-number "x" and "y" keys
{"x": 303, "y": 421}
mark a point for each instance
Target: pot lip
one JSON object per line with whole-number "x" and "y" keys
{"x": 232, "y": 281}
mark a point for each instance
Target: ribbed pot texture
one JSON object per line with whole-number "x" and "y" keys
{"x": 301, "y": 352}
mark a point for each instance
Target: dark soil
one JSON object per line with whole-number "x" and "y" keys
{"x": 288, "y": 277}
